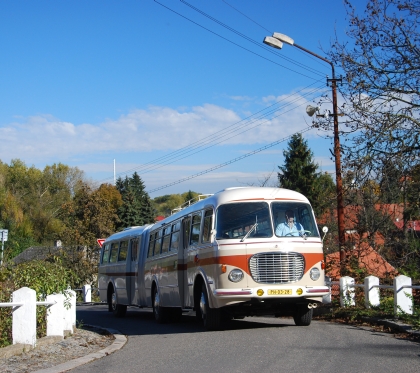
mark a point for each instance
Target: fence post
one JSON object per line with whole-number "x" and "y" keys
{"x": 87, "y": 293}
{"x": 55, "y": 313}
{"x": 24, "y": 317}
{"x": 372, "y": 291}
{"x": 70, "y": 310}
{"x": 347, "y": 291}
{"x": 403, "y": 297}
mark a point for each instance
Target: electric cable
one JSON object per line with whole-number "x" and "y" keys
{"x": 228, "y": 162}
{"x": 257, "y": 43}
{"x": 232, "y": 42}
{"x": 186, "y": 151}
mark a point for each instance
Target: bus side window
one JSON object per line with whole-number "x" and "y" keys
{"x": 208, "y": 216}
{"x": 122, "y": 255}
{"x": 134, "y": 249}
{"x": 186, "y": 228}
{"x": 166, "y": 239}
{"x": 195, "y": 228}
{"x": 114, "y": 252}
{"x": 105, "y": 256}
{"x": 158, "y": 243}
{"x": 175, "y": 236}
{"x": 151, "y": 244}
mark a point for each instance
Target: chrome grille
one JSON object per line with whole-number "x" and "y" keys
{"x": 277, "y": 268}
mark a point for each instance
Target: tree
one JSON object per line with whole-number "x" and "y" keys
{"x": 382, "y": 73}
{"x": 189, "y": 196}
{"x": 382, "y": 85}
{"x": 299, "y": 173}
{"x": 165, "y": 204}
{"x": 137, "y": 208}
{"x": 40, "y": 195}
{"x": 382, "y": 106}
{"x": 87, "y": 217}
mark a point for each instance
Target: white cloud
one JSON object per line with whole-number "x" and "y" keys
{"x": 44, "y": 138}
{"x": 143, "y": 135}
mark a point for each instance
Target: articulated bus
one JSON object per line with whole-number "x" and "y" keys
{"x": 241, "y": 252}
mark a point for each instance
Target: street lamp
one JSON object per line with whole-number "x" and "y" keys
{"x": 277, "y": 41}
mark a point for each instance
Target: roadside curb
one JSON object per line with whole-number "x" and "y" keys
{"x": 394, "y": 325}
{"x": 119, "y": 342}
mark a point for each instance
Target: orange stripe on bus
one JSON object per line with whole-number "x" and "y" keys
{"x": 241, "y": 261}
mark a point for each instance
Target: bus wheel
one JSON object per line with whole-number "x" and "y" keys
{"x": 211, "y": 316}
{"x": 118, "y": 310}
{"x": 303, "y": 315}
{"x": 158, "y": 311}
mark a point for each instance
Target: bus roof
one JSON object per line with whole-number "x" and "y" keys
{"x": 127, "y": 233}
{"x": 238, "y": 194}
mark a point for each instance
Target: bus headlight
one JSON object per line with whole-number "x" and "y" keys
{"x": 236, "y": 275}
{"x": 314, "y": 274}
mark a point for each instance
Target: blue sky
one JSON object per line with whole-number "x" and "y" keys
{"x": 87, "y": 82}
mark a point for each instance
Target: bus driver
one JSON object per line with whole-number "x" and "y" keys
{"x": 290, "y": 227}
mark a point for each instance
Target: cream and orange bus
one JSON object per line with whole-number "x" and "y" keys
{"x": 241, "y": 252}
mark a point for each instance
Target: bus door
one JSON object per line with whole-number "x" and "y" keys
{"x": 132, "y": 271}
{"x": 186, "y": 283}
{"x": 169, "y": 266}
{"x": 119, "y": 260}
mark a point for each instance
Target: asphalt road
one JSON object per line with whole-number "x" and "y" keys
{"x": 249, "y": 345}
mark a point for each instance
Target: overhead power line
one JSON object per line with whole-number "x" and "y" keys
{"x": 238, "y": 45}
{"x": 228, "y": 162}
{"x": 221, "y": 136}
{"x": 259, "y": 44}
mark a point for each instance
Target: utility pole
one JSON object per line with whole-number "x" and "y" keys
{"x": 277, "y": 41}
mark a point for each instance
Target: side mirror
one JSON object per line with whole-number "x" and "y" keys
{"x": 325, "y": 230}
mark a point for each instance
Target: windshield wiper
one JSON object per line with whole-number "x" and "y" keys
{"x": 249, "y": 232}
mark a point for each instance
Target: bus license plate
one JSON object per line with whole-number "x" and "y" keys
{"x": 279, "y": 291}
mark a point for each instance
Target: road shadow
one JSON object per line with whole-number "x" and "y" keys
{"x": 141, "y": 322}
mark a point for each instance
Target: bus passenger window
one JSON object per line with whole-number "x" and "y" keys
{"x": 105, "y": 256}
{"x": 158, "y": 243}
{"x": 134, "y": 249}
{"x": 195, "y": 229}
{"x": 122, "y": 255}
{"x": 114, "y": 252}
{"x": 175, "y": 241}
{"x": 151, "y": 245}
{"x": 208, "y": 215}
{"x": 166, "y": 240}
{"x": 175, "y": 237}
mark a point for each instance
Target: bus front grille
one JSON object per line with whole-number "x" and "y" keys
{"x": 277, "y": 268}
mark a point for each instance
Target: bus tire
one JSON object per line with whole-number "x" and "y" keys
{"x": 211, "y": 317}
{"x": 118, "y": 310}
{"x": 303, "y": 315}
{"x": 159, "y": 312}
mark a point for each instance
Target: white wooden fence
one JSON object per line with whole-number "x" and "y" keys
{"x": 402, "y": 288}
{"x": 61, "y": 314}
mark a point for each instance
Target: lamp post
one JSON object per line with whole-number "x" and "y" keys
{"x": 277, "y": 41}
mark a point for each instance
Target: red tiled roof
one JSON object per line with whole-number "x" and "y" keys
{"x": 367, "y": 258}
{"x": 410, "y": 225}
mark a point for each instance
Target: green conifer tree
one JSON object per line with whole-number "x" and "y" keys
{"x": 300, "y": 173}
{"x": 137, "y": 207}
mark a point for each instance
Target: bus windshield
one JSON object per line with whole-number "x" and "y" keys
{"x": 234, "y": 220}
{"x": 293, "y": 219}
{"x": 252, "y": 220}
